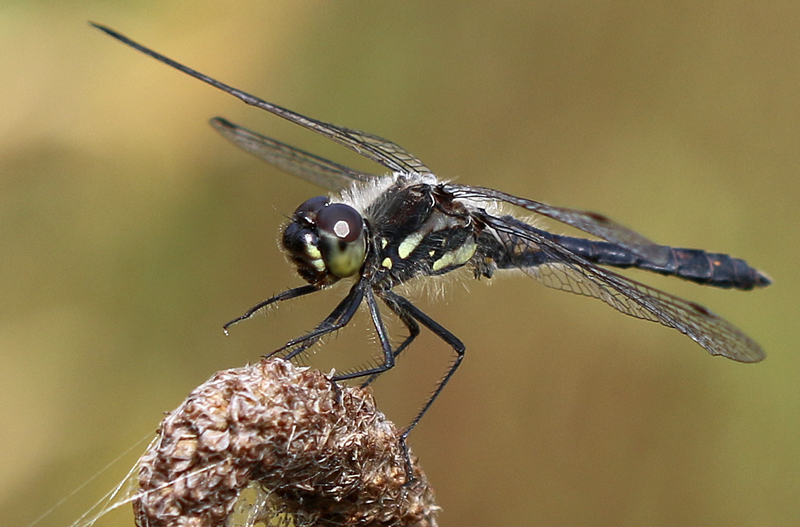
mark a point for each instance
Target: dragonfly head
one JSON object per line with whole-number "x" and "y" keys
{"x": 326, "y": 241}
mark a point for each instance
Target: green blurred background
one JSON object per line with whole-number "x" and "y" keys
{"x": 129, "y": 232}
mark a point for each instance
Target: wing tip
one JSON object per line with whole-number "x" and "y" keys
{"x": 221, "y": 123}
{"x": 750, "y": 356}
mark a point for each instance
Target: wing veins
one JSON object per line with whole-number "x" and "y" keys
{"x": 587, "y": 221}
{"x": 299, "y": 163}
{"x": 712, "y": 332}
{"x": 382, "y": 151}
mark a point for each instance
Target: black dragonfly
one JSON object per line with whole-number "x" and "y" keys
{"x": 383, "y": 231}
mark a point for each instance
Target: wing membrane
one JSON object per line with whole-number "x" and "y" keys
{"x": 300, "y": 163}
{"x": 591, "y": 222}
{"x": 566, "y": 271}
{"x": 389, "y": 154}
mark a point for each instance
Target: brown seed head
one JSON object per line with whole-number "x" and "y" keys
{"x": 314, "y": 455}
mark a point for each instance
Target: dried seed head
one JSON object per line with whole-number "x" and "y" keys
{"x": 314, "y": 454}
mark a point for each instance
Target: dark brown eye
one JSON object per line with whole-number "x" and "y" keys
{"x": 342, "y": 239}
{"x": 311, "y": 207}
{"x": 340, "y": 220}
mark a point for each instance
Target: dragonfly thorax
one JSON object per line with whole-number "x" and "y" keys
{"x": 326, "y": 241}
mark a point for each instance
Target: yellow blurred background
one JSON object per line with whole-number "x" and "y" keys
{"x": 130, "y": 232}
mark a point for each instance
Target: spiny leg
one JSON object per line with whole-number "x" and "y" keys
{"x": 330, "y": 319}
{"x": 403, "y": 305}
{"x": 383, "y": 336}
{"x": 339, "y": 317}
{"x": 286, "y": 295}
{"x": 413, "y": 332}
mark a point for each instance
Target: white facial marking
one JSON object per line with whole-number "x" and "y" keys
{"x": 313, "y": 252}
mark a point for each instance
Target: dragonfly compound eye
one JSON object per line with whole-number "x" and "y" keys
{"x": 308, "y": 210}
{"x": 342, "y": 239}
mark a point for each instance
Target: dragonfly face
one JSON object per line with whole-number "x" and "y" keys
{"x": 381, "y": 231}
{"x": 326, "y": 241}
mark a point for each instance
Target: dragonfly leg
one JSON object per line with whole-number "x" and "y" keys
{"x": 413, "y": 332}
{"x": 338, "y": 318}
{"x": 286, "y": 295}
{"x": 383, "y": 336}
{"x": 405, "y": 306}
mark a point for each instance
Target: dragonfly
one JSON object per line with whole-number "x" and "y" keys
{"x": 381, "y": 231}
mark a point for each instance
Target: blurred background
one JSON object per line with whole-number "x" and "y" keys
{"x": 130, "y": 232}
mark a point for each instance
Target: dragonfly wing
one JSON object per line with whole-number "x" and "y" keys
{"x": 378, "y": 149}
{"x": 382, "y": 151}
{"x": 304, "y": 165}
{"x": 387, "y": 153}
{"x": 561, "y": 269}
{"x": 591, "y": 222}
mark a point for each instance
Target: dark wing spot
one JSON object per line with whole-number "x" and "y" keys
{"x": 700, "y": 309}
{"x": 600, "y": 218}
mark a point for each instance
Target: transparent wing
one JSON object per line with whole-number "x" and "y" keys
{"x": 300, "y": 163}
{"x": 387, "y": 153}
{"x": 591, "y": 222}
{"x": 378, "y": 149}
{"x": 563, "y": 270}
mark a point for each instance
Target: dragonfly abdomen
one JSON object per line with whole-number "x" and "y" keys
{"x": 715, "y": 269}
